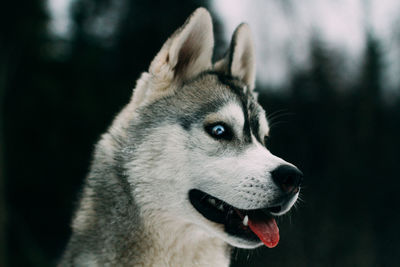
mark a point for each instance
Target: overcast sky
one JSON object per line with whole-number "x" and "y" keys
{"x": 60, "y": 23}
{"x": 283, "y": 29}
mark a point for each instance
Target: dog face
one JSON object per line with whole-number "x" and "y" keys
{"x": 198, "y": 135}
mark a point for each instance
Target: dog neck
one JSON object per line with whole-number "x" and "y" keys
{"x": 172, "y": 243}
{"x": 119, "y": 233}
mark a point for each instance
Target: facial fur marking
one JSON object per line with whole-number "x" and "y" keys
{"x": 250, "y": 108}
{"x": 187, "y": 120}
{"x": 160, "y": 185}
{"x": 231, "y": 115}
{"x": 254, "y": 121}
{"x": 238, "y": 88}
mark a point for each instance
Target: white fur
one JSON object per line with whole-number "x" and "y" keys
{"x": 240, "y": 178}
{"x": 263, "y": 124}
{"x": 83, "y": 217}
{"x": 177, "y": 234}
{"x": 195, "y": 41}
{"x": 232, "y": 114}
{"x": 240, "y": 62}
{"x": 243, "y": 60}
{"x": 170, "y": 161}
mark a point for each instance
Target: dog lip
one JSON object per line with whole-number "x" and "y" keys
{"x": 224, "y": 206}
{"x": 210, "y": 207}
{"x": 280, "y": 206}
{"x": 272, "y": 210}
{"x": 232, "y": 218}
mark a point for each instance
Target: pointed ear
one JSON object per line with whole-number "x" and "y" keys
{"x": 188, "y": 51}
{"x": 240, "y": 59}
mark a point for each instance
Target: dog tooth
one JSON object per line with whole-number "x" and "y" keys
{"x": 212, "y": 201}
{"x": 245, "y": 220}
{"x": 221, "y": 207}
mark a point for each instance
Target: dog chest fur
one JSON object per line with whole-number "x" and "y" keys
{"x": 135, "y": 208}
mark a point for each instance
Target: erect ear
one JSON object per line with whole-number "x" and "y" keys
{"x": 188, "y": 51}
{"x": 240, "y": 59}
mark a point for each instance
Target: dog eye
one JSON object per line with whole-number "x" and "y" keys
{"x": 219, "y": 131}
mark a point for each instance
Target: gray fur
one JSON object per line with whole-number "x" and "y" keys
{"x": 134, "y": 208}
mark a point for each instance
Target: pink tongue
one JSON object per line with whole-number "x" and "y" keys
{"x": 266, "y": 229}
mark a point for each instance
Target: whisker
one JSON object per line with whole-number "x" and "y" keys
{"x": 272, "y": 118}
{"x": 300, "y": 199}
{"x": 274, "y": 124}
{"x": 275, "y": 116}
{"x": 236, "y": 254}
{"x": 248, "y": 255}
{"x": 276, "y": 112}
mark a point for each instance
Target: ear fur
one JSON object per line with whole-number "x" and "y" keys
{"x": 188, "y": 51}
{"x": 240, "y": 59}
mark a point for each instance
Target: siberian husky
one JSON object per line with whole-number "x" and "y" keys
{"x": 183, "y": 173}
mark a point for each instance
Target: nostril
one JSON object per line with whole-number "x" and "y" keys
{"x": 288, "y": 178}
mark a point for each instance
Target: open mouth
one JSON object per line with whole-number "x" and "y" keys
{"x": 251, "y": 225}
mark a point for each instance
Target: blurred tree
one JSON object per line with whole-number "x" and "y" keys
{"x": 369, "y": 98}
{"x": 3, "y": 216}
{"x": 377, "y": 128}
{"x": 19, "y": 46}
{"x": 57, "y": 95}
{"x": 2, "y": 176}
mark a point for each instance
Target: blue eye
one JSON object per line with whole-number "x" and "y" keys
{"x": 219, "y": 131}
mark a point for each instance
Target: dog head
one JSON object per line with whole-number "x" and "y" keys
{"x": 195, "y": 135}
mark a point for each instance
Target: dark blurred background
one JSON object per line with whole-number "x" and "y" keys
{"x": 59, "y": 92}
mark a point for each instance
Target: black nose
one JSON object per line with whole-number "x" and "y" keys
{"x": 288, "y": 178}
